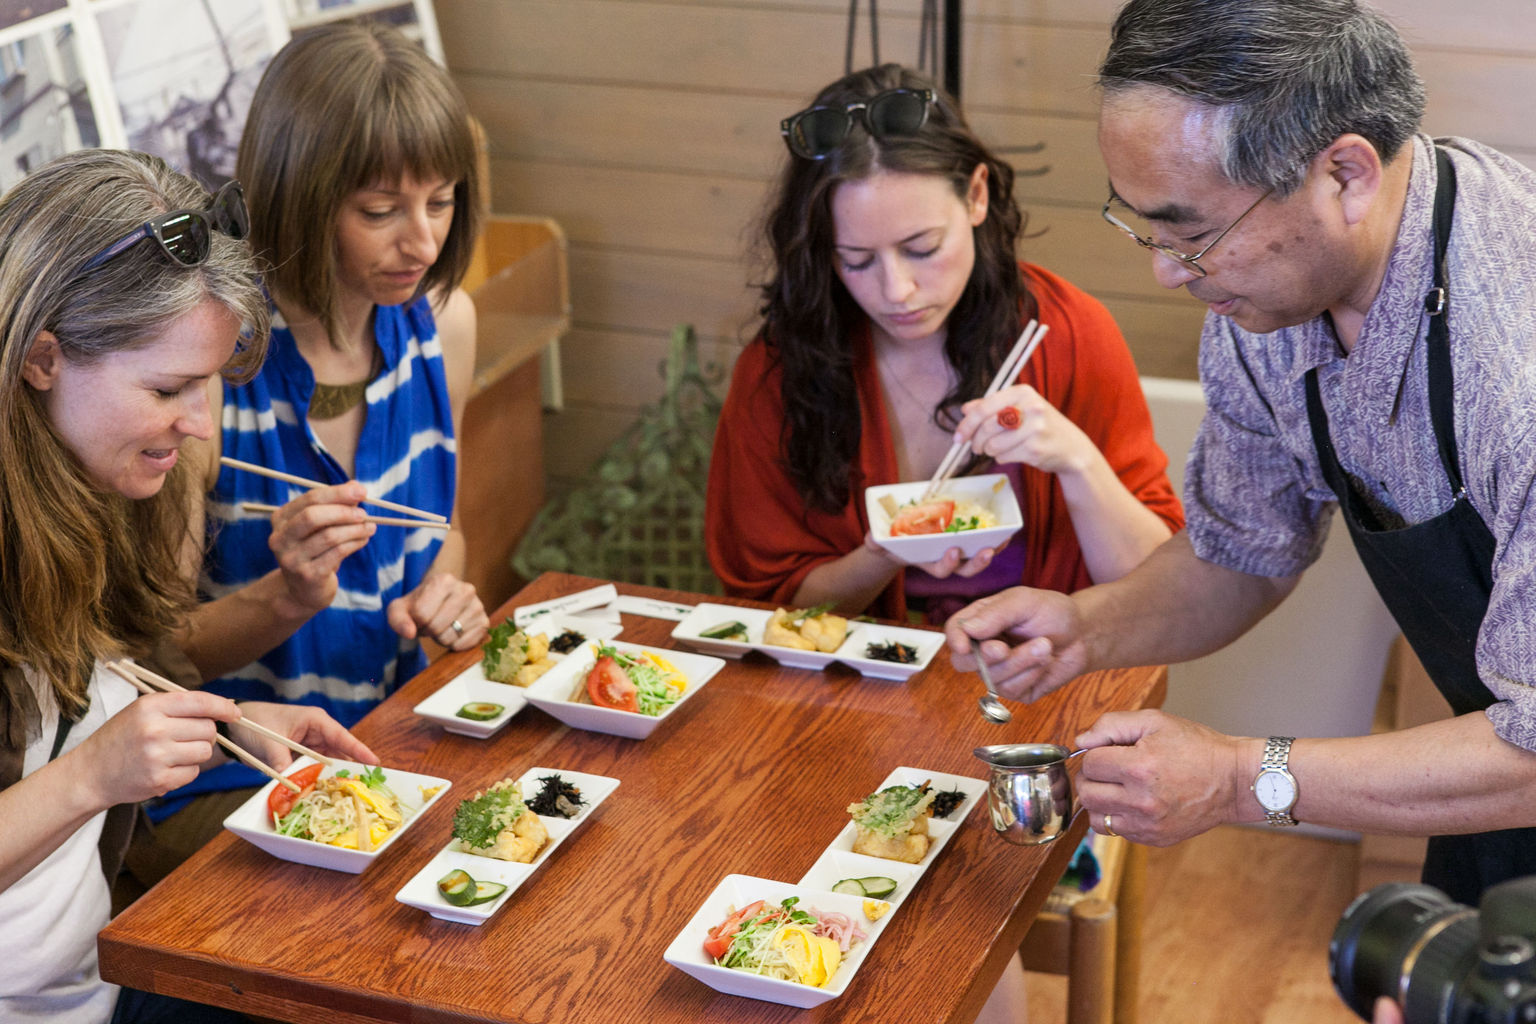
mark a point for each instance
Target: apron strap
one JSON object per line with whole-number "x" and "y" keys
{"x": 1437, "y": 305}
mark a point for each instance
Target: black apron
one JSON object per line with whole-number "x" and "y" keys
{"x": 1435, "y": 578}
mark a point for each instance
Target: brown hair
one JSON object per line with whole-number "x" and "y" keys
{"x": 808, "y": 315}
{"x": 344, "y": 107}
{"x": 87, "y": 574}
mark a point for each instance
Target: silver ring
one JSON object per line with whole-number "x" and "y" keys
{"x": 1109, "y": 828}
{"x": 458, "y": 627}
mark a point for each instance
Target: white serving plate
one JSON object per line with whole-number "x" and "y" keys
{"x": 421, "y": 891}
{"x": 686, "y": 952}
{"x": 443, "y": 706}
{"x": 930, "y": 547}
{"x": 838, "y": 861}
{"x": 851, "y": 653}
{"x": 552, "y": 691}
{"x": 251, "y": 821}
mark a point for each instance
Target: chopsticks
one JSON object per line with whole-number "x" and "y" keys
{"x": 266, "y": 510}
{"x": 273, "y": 474}
{"x": 1022, "y": 350}
{"x": 146, "y": 681}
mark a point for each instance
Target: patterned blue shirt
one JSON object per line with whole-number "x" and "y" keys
{"x": 346, "y": 659}
{"x": 1255, "y": 497}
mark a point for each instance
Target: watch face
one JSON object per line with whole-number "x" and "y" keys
{"x": 1275, "y": 790}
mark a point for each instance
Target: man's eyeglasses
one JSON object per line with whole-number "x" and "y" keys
{"x": 1190, "y": 261}
{"x": 816, "y": 131}
{"x": 186, "y": 235}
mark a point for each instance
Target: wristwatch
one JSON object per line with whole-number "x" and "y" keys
{"x": 1275, "y": 786}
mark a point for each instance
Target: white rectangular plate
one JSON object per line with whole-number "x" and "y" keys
{"x": 552, "y": 691}
{"x": 421, "y": 891}
{"x": 838, "y": 861}
{"x": 852, "y": 652}
{"x": 251, "y": 821}
{"x": 443, "y": 706}
{"x": 686, "y": 952}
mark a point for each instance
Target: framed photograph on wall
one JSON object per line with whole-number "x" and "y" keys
{"x": 171, "y": 77}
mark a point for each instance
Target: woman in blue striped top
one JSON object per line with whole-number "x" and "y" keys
{"x": 360, "y": 166}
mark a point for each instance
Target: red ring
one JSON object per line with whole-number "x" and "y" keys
{"x": 1008, "y": 418}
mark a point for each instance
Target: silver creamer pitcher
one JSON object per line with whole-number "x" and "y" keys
{"x": 1029, "y": 793}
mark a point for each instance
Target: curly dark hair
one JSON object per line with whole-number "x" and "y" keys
{"x": 808, "y": 315}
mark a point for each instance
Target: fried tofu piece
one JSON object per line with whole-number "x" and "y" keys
{"x": 522, "y": 842}
{"x": 909, "y": 847}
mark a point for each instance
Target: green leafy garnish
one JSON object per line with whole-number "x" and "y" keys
{"x": 963, "y": 523}
{"x": 479, "y": 820}
{"x": 505, "y": 652}
{"x": 796, "y": 618}
{"x": 891, "y": 811}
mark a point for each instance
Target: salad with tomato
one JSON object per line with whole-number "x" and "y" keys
{"x": 645, "y": 683}
{"x": 785, "y": 941}
{"x": 940, "y": 515}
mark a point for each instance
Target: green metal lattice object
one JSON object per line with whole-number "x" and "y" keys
{"x": 640, "y": 516}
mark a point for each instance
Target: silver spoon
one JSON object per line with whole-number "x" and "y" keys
{"x": 992, "y": 709}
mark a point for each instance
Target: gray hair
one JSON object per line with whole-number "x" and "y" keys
{"x": 54, "y": 220}
{"x": 1286, "y": 77}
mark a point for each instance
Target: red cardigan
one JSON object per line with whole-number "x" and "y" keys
{"x": 762, "y": 540}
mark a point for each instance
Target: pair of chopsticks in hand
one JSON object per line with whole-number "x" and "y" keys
{"x": 1006, "y": 374}
{"x": 428, "y": 520}
{"x": 146, "y": 681}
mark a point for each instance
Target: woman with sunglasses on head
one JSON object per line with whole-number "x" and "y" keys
{"x": 122, "y": 295}
{"x": 360, "y": 163}
{"x": 894, "y": 298}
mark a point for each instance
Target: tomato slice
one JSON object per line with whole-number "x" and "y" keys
{"x": 928, "y": 517}
{"x": 719, "y": 941}
{"x": 609, "y": 687}
{"x": 281, "y": 800}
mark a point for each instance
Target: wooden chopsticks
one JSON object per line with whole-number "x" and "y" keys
{"x": 273, "y": 474}
{"x": 266, "y": 510}
{"x": 146, "y": 681}
{"x": 1009, "y": 371}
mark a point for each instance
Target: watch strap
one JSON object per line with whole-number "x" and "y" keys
{"x": 1277, "y": 757}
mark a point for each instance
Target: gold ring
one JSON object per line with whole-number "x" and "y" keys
{"x": 458, "y": 627}
{"x": 1109, "y": 828}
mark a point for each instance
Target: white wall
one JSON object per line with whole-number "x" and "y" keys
{"x": 1314, "y": 666}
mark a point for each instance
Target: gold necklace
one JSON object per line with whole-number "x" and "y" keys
{"x": 331, "y": 400}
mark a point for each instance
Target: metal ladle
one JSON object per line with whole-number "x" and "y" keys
{"x": 992, "y": 709}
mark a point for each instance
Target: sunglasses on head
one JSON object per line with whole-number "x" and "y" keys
{"x": 815, "y": 132}
{"x": 186, "y": 235}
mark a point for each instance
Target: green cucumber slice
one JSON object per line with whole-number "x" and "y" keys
{"x": 480, "y": 710}
{"x": 485, "y": 892}
{"x": 726, "y": 631}
{"x": 877, "y": 886}
{"x": 457, "y": 887}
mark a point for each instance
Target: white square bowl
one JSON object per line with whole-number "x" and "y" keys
{"x": 991, "y": 491}
{"x": 552, "y": 692}
{"x": 252, "y": 822}
{"x": 686, "y": 952}
{"x": 421, "y": 891}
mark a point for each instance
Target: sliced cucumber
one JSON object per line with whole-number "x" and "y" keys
{"x": 485, "y": 892}
{"x": 877, "y": 886}
{"x": 726, "y": 631}
{"x": 457, "y": 887}
{"x": 480, "y": 710}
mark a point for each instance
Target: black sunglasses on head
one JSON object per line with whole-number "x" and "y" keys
{"x": 816, "y": 131}
{"x": 186, "y": 235}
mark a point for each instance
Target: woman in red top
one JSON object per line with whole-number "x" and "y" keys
{"x": 895, "y": 297}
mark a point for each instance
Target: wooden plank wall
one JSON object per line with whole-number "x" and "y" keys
{"x": 649, "y": 130}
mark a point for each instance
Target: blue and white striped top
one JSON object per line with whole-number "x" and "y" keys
{"x": 346, "y": 659}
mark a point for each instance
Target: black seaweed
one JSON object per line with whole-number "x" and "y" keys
{"x": 892, "y": 650}
{"x": 945, "y": 802}
{"x": 565, "y": 643}
{"x": 556, "y": 799}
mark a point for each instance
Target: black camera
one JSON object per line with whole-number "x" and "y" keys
{"x": 1443, "y": 962}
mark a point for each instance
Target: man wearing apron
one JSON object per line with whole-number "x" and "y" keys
{"x": 1370, "y": 344}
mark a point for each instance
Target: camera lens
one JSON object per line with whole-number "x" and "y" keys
{"x": 1406, "y": 941}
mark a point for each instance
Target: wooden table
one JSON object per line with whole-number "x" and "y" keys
{"x": 750, "y": 776}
